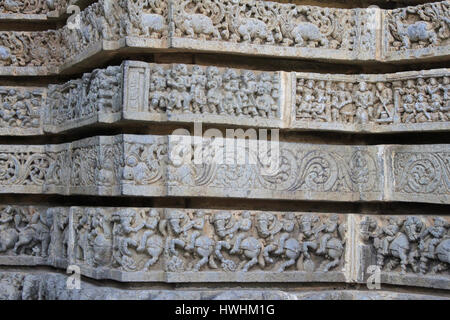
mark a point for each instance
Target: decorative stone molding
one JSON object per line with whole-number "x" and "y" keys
{"x": 53, "y": 286}
{"x": 185, "y": 166}
{"x": 36, "y": 10}
{"x": 415, "y": 32}
{"x": 249, "y": 27}
{"x": 191, "y": 245}
{"x": 404, "y": 101}
{"x": 178, "y": 93}
{"x": 419, "y": 172}
{"x": 412, "y": 250}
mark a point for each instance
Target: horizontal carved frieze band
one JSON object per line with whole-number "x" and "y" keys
{"x": 239, "y": 27}
{"x": 399, "y": 102}
{"x": 194, "y": 245}
{"x": 36, "y": 10}
{"x": 186, "y": 166}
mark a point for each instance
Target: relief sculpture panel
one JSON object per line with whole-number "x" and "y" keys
{"x": 419, "y": 172}
{"x": 269, "y": 27}
{"x": 33, "y": 235}
{"x": 249, "y": 27}
{"x": 415, "y": 32}
{"x": 202, "y": 245}
{"x": 408, "y": 250}
{"x": 180, "y": 93}
{"x": 147, "y": 165}
{"x": 403, "y": 101}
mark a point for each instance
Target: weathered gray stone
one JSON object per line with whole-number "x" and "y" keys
{"x": 250, "y": 27}
{"x": 185, "y": 166}
{"x": 228, "y": 246}
{"x": 410, "y": 251}
{"x": 202, "y": 250}
{"x": 52, "y": 286}
{"x": 37, "y": 10}
{"x": 178, "y": 93}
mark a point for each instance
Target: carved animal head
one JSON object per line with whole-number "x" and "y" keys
{"x": 220, "y": 221}
{"x": 265, "y": 220}
{"x": 307, "y": 222}
{"x": 176, "y": 220}
{"x": 413, "y": 227}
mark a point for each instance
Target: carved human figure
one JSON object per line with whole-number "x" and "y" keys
{"x": 191, "y": 241}
{"x": 341, "y": 97}
{"x": 248, "y": 247}
{"x": 123, "y": 231}
{"x": 178, "y": 81}
{"x": 225, "y": 227}
{"x": 62, "y": 223}
{"x": 150, "y": 224}
{"x": 364, "y": 100}
{"x": 37, "y": 232}
{"x": 384, "y": 109}
{"x": 247, "y": 93}
{"x": 421, "y": 106}
{"x": 232, "y": 100}
{"x": 328, "y": 229}
{"x": 287, "y": 246}
{"x": 306, "y": 99}
{"x": 331, "y": 243}
{"x": 202, "y": 246}
{"x": 408, "y": 91}
{"x": 198, "y": 83}
{"x": 81, "y": 233}
{"x": 214, "y": 95}
{"x": 318, "y": 111}
{"x": 432, "y": 236}
{"x": 100, "y": 238}
{"x": 151, "y": 241}
{"x": 108, "y": 80}
{"x": 10, "y": 224}
{"x": 158, "y": 90}
{"x": 389, "y": 232}
{"x": 308, "y": 233}
{"x": 399, "y": 245}
{"x": 264, "y": 100}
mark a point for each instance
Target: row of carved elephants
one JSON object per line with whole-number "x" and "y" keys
{"x": 190, "y": 166}
{"x": 13, "y": 9}
{"x": 237, "y": 27}
{"x": 190, "y": 245}
{"x": 146, "y": 92}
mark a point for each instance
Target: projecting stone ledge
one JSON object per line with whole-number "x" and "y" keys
{"x": 246, "y": 27}
{"x": 185, "y": 166}
{"x": 201, "y": 246}
{"x": 159, "y": 93}
{"x": 53, "y": 286}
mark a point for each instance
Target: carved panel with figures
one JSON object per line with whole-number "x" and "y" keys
{"x": 149, "y": 244}
{"x": 408, "y": 250}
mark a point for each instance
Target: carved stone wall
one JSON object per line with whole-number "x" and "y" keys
{"x": 249, "y": 149}
{"x": 180, "y": 93}
{"x": 197, "y": 245}
{"x": 181, "y": 166}
{"x": 250, "y": 27}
